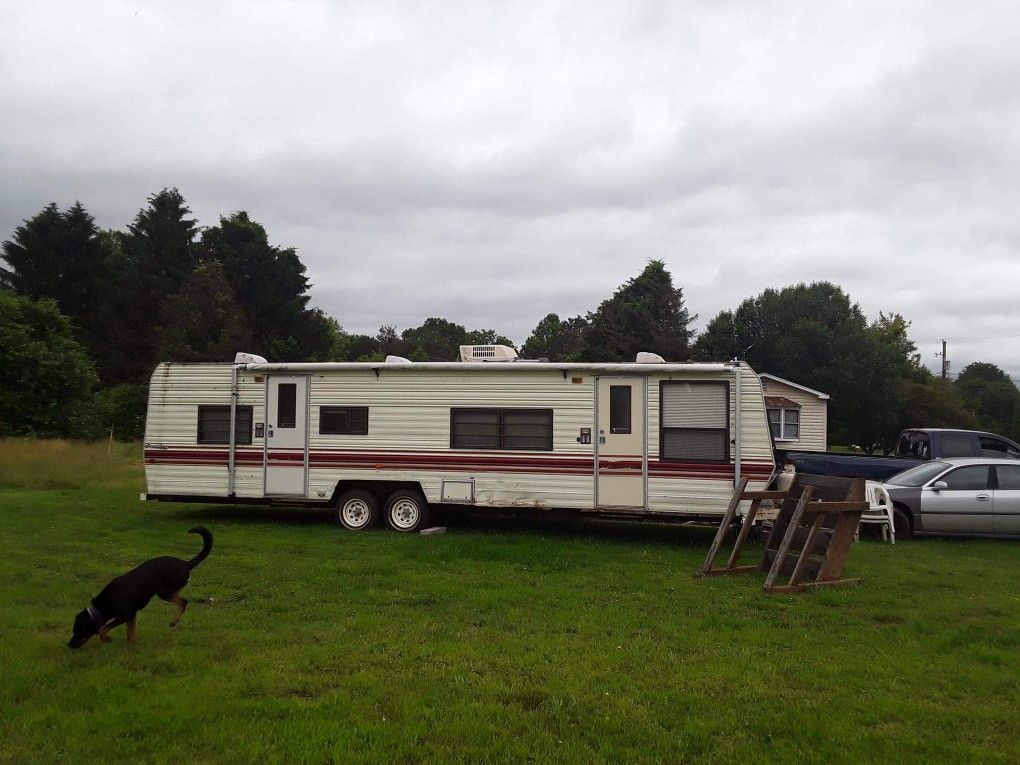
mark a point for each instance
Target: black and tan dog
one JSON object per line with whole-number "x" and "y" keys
{"x": 129, "y": 593}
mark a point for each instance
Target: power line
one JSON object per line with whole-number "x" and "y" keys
{"x": 976, "y": 339}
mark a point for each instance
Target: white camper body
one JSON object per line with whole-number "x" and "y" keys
{"x": 641, "y": 439}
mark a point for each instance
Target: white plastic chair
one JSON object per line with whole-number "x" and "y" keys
{"x": 880, "y": 510}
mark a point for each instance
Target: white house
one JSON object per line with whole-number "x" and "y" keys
{"x": 798, "y": 415}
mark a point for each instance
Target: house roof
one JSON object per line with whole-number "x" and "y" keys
{"x": 823, "y": 396}
{"x": 782, "y": 401}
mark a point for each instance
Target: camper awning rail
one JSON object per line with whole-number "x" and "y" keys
{"x": 486, "y": 366}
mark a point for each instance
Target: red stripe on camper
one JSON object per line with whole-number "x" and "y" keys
{"x": 480, "y": 462}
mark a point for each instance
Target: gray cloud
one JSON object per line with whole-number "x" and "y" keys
{"x": 492, "y": 162}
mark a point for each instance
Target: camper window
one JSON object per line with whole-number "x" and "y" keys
{"x": 214, "y": 425}
{"x": 343, "y": 420}
{"x": 286, "y": 400}
{"x": 694, "y": 421}
{"x": 619, "y": 409}
{"x": 526, "y": 429}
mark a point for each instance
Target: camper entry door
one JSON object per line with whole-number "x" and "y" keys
{"x": 286, "y": 435}
{"x": 620, "y": 442}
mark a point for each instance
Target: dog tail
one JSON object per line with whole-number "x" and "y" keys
{"x": 203, "y": 532}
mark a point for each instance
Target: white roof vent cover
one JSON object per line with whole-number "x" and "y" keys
{"x": 487, "y": 353}
{"x": 249, "y": 358}
{"x": 646, "y": 357}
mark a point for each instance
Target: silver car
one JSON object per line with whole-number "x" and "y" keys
{"x": 973, "y": 496}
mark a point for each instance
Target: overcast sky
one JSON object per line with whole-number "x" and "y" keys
{"x": 490, "y": 163}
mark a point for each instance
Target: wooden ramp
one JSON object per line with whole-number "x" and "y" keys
{"x": 810, "y": 539}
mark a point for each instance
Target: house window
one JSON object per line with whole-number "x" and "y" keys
{"x": 694, "y": 421}
{"x": 343, "y": 420}
{"x": 214, "y": 425}
{"x": 523, "y": 429}
{"x": 619, "y": 409}
{"x": 784, "y": 423}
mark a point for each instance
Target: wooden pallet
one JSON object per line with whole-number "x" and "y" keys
{"x": 810, "y": 539}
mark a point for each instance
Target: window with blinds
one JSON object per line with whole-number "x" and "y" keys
{"x": 343, "y": 420}
{"x": 694, "y": 421}
{"x": 214, "y": 424}
{"x": 524, "y": 429}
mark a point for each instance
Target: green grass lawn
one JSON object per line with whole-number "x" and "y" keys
{"x": 503, "y": 640}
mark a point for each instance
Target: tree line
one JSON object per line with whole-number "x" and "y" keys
{"x": 86, "y": 313}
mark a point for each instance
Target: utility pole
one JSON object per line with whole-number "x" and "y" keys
{"x": 945, "y": 364}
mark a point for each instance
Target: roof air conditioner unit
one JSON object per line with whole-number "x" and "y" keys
{"x": 487, "y": 353}
{"x": 645, "y": 357}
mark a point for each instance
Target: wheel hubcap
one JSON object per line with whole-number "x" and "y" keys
{"x": 355, "y": 512}
{"x": 404, "y": 513}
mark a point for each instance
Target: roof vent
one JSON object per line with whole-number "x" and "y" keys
{"x": 645, "y": 357}
{"x": 249, "y": 358}
{"x": 487, "y": 353}
{"x": 397, "y": 360}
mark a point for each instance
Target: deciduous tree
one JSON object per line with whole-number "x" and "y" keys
{"x": 46, "y": 377}
{"x": 992, "y": 395}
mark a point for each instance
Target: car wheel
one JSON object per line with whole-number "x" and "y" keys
{"x": 407, "y": 511}
{"x": 357, "y": 509}
{"x": 902, "y": 524}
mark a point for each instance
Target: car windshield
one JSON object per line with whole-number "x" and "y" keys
{"x": 919, "y": 475}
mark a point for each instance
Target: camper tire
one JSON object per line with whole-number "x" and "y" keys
{"x": 357, "y": 509}
{"x": 407, "y": 511}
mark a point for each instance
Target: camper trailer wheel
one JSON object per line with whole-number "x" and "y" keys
{"x": 357, "y": 509}
{"x": 407, "y": 511}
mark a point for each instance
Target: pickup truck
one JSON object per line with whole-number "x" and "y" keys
{"x": 913, "y": 447}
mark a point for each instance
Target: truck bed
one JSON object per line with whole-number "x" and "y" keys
{"x": 849, "y": 465}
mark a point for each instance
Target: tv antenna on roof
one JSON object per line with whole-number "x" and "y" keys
{"x": 740, "y": 356}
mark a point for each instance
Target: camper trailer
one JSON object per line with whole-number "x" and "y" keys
{"x": 385, "y": 441}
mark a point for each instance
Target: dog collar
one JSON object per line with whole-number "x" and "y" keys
{"x": 94, "y": 614}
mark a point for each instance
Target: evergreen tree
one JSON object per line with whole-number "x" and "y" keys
{"x": 148, "y": 264}
{"x": 202, "y": 322}
{"x": 61, "y": 256}
{"x": 645, "y": 314}
{"x": 271, "y": 288}
{"x": 160, "y": 243}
